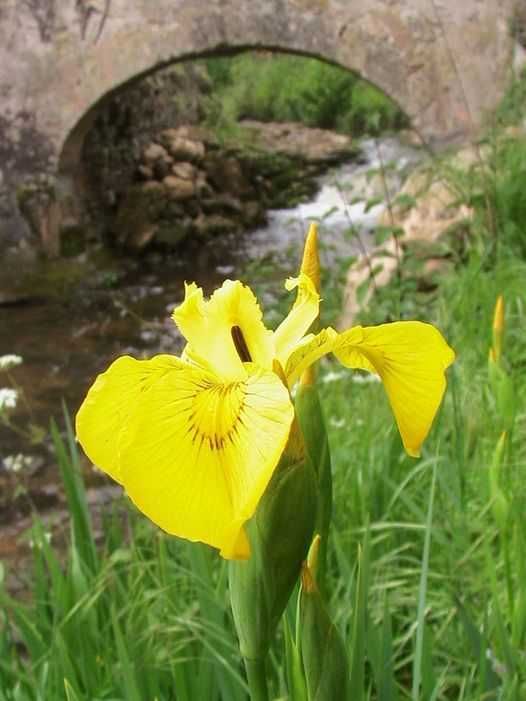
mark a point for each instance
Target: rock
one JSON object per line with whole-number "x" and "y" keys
{"x": 213, "y": 225}
{"x": 253, "y": 213}
{"x": 222, "y": 204}
{"x": 436, "y": 211}
{"x": 181, "y": 147}
{"x": 145, "y": 172}
{"x": 37, "y": 201}
{"x": 157, "y": 161}
{"x": 141, "y": 236}
{"x": 138, "y": 215}
{"x": 202, "y": 186}
{"x": 193, "y": 133}
{"x": 316, "y": 145}
{"x": 409, "y": 137}
{"x": 178, "y": 188}
{"x": 361, "y": 283}
{"x": 155, "y": 152}
{"x": 153, "y": 187}
{"x": 173, "y": 233}
{"x": 226, "y": 174}
{"x": 184, "y": 170}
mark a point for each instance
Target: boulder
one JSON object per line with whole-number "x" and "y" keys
{"x": 145, "y": 171}
{"x": 182, "y": 148}
{"x": 437, "y": 210}
{"x": 155, "y": 152}
{"x": 178, "y": 189}
{"x": 222, "y": 204}
{"x": 226, "y": 174}
{"x": 138, "y": 215}
{"x": 185, "y": 170}
{"x": 291, "y": 139}
{"x": 214, "y": 225}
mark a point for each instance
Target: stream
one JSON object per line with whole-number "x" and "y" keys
{"x": 103, "y": 306}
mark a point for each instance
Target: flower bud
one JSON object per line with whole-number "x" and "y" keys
{"x": 279, "y": 535}
{"x": 310, "y": 264}
{"x": 499, "y": 504}
{"x": 323, "y": 651}
{"x": 498, "y": 328}
{"x": 312, "y": 423}
{"x": 503, "y": 392}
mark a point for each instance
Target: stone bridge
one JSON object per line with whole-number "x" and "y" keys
{"x": 445, "y": 62}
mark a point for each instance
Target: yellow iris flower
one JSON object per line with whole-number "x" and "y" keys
{"x": 194, "y": 440}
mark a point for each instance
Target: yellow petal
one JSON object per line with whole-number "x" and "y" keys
{"x": 411, "y": 358}
{"x": 299, "y": 320}
{"x": 109, "y": 403}
{"x": 198, "y": 454}
{"x": 208, "y": 327}
{"x": 309, "y": 351}
{"x": 310, "y": 263}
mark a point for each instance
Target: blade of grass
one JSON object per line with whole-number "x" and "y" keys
{"x": 422, "y": 592}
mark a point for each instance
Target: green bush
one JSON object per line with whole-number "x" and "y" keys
{"x": 271, "y": 87}
{"x": 510, "y": 194}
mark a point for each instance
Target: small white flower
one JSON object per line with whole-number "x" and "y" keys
{"x": 38, "y": 544}
{"x": 9, "y": 361}
{"x": 8, "y": 398}
{"x": 337, "y": 423}
{"x": 14, "y": 463}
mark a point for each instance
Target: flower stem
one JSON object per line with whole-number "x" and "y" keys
{"x": 257, "y": 679}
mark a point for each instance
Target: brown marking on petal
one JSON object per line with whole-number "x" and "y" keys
{"x": 214, "y": 440}
{"x": 240, "y": 344}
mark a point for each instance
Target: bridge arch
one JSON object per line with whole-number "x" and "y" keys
{"x": 444, "y": 62}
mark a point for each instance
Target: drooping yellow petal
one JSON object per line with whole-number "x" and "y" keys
{"x": 106, "y": 409}
{"x": 210, "y": 326}
{"x": 411, "y": 358}
{"x": 300, "y": 318}
{"x": 309, "y": 351}
{"x": 199, "y": 452}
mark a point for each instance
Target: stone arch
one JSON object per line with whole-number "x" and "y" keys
{"x": 442, "y": 61}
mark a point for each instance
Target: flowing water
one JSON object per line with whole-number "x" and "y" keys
{"x": 116, "y": 306}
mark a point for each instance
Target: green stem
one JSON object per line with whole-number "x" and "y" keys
{"x": 257, "y": 679}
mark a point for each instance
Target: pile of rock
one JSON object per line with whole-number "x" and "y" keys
{"x": 188, "y": 185}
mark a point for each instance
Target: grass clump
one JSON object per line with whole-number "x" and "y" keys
{"x": 426, "y": 558}
{"x": 318, "y": 94}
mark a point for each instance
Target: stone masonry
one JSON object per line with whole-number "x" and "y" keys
{"x": 444, "y": 62}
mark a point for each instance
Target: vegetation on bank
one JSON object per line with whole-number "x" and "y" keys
{"x": 315, "y": 93}
{"x": 427, "y": 558}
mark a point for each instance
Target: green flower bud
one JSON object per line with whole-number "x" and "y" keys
{"x": 499, "y": 504}
{"x": 312, "y": 423}
{"x": 323, "y": 651}
{"x": 279, "y": 535}
{"x": 503, "y": 391}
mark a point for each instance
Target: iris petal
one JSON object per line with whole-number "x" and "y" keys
{"x": 199, "y": 452}
{"x": 207, "y": 326}
{"x": 300, "y": 318}
{"x": 308, "y": 352}
{"x": 411, "y": 358}
{"x": 109, "y": 403}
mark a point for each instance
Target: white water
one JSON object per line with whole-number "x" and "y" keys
{"x": 341, "y": 203}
